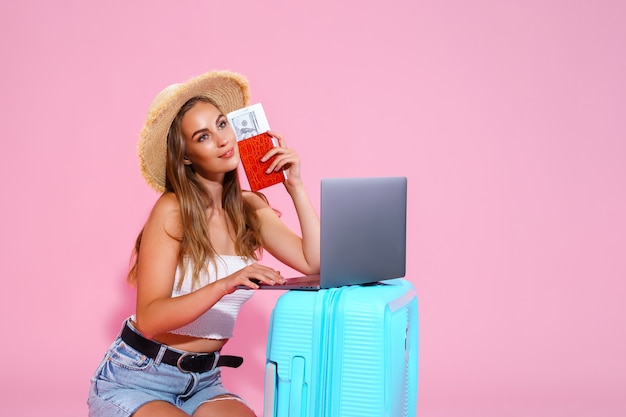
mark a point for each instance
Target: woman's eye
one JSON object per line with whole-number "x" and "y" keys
{"x": 222, "y": 124}
{"x": 203, "y": 137}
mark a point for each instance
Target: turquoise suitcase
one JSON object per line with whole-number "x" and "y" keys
{"x": 343, "y": 352}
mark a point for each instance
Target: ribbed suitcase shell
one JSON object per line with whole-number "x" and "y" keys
{"x": 343, "y": 352}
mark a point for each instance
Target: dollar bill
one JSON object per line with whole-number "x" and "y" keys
{"x": 248, "y": 121}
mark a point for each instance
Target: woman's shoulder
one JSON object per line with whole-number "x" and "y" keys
{"x": 166, "y": 204}
{"x": 255, "y": 200}
{"x": 166, "y": 211}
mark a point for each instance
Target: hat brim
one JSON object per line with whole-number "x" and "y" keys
{"x": 227, "y": 89}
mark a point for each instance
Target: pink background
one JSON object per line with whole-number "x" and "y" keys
{"x": 506, "y": 116}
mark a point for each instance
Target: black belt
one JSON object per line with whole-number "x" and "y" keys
{"x": 186, "y": 362}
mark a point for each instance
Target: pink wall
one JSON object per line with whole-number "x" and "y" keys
{"x": 507, "y": 117}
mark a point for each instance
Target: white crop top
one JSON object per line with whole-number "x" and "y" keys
{"x": 219, "y": 321}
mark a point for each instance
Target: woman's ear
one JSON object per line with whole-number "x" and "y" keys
{"x": 186, "y": 160}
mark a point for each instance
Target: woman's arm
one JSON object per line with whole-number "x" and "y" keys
{"x": 157, "y": 311}
{"x": 300, "y": 253}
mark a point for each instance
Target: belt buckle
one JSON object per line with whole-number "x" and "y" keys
{"x": 191, "y": 355}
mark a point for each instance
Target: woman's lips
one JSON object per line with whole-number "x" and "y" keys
{"x": 229, "y": 153}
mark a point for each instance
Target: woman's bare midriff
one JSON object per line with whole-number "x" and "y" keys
{"x": 190, "y": 343}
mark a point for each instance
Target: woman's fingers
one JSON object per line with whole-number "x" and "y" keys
{"x": 255, "y": 274}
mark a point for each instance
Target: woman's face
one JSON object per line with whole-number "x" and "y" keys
{"x": 210, "y": 141}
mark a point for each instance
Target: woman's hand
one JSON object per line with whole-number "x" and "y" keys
{"x": 250, "y": 276}
{"x": 301, "y": 253}
{"x": 285, "y": 158}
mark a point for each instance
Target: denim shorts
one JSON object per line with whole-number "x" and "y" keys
{"x": 125, "y": 380}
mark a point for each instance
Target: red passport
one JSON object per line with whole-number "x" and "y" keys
{"x": 251, "y": 150}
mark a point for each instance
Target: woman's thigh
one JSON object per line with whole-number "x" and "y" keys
{"x": 224, "y": 406}
{"x": 159, "y": 409}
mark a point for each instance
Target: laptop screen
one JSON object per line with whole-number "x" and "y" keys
{"x": 363, "y": 230}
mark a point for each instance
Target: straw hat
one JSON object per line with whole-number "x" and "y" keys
{"x": 227, "y": 89}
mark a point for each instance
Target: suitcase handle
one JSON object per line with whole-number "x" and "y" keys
{"x": 297, "y": 387}
{"x": 270, "y": 390}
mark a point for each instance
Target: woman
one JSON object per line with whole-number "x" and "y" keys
{"x": 200, "y": 242}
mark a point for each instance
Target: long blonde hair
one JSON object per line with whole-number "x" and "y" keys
{"x": 196, "y": 249}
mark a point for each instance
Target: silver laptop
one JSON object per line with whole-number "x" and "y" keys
{"x": 363, "y": 233}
